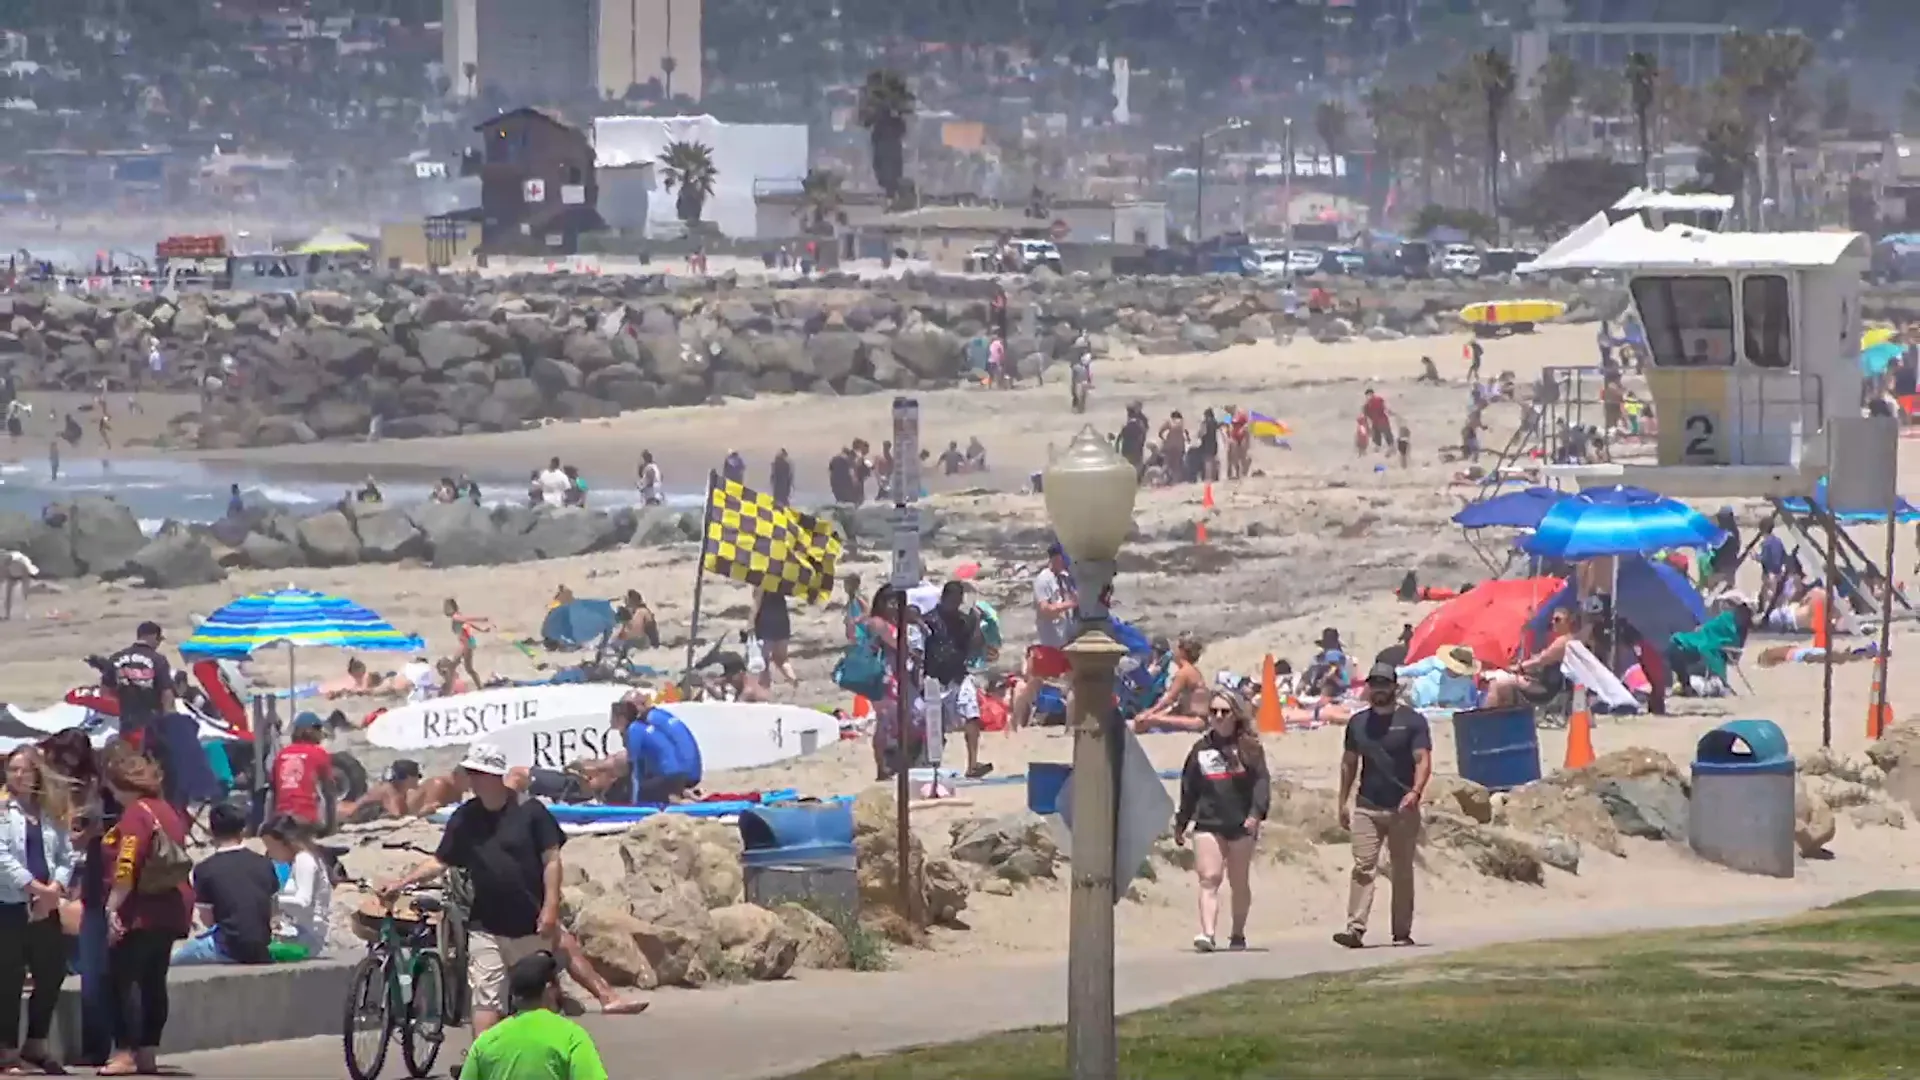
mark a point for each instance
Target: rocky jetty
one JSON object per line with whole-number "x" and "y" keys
{"x": 96, "y": 536}
{"x": 444, "y": 355}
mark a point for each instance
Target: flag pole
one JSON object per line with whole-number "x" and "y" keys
{"x": 700, "y": 573}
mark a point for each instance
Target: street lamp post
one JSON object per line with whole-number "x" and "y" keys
{"x": 1200, "y": 175}
{"x": 1090, "y": 491}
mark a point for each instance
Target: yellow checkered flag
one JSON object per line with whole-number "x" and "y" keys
{"x": 776, "y": 549}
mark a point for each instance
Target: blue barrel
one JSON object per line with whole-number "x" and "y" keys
{"x": 1740, "y": 812}
{"x": 1497, "y": 748}
{"x": 805, "y": 832}
{"x": 1044, "y": 781}
{"x": 1050, "y": 701}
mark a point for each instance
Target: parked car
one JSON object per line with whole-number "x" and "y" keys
{"x": 1037, "y": 253}
{"x": 1343, "y": 261}
{"x": 1505, "y": 260}
{"x": 1304, "y": 261}
{"x": 1268, "y": 263}
{"x": 1460, "y": 260}
{"x": 984, "y": 259}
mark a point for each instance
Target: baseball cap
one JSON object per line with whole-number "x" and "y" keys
{"x": 308, "y": 720}
{"x": 532, "y": 974}
{"x": 1056, "y": 548}
{"x": 149, "y": 629}
{"x": 482, "y": 758}
{"x": 403, "y": 769}
{"x": 1383, "y": 673}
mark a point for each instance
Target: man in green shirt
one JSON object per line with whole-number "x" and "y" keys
{"x": 536, "y": 1042}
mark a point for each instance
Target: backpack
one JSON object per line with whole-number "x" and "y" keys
{"x": 168, "y": 864}
{"x": 862, "y": 669}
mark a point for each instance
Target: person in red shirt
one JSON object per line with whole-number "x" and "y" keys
{"x": 149, "y": 907}
{"x": 1379, "y": 420}
{"x": 303, "y": 773}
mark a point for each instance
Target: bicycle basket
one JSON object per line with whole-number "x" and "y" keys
{"x": 370, "y": 915}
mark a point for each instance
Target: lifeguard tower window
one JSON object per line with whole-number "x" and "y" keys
{"x": 1689, "y": 320}
{"x": 1766, "y": 324}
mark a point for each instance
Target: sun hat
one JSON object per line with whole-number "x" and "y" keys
{"x": 482, "y": 758}
{"x": 1330, "y": 638}
{"x": 1459, "y": 659}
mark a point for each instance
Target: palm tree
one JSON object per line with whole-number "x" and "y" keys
{"x": 1764, "y": 70}
{"x": 1643, "y": 77}
{"x": 1494, "y": 74}
{"x": 472, "y": 71}
{"x": 687, "y": 169}
{"x": 1557, "y": 87}
{"x": 821, "y": 192}
{"x": 886, "y": 104}
{"x": 1330, "y": 120}
{"x": 1394, "y": 138}
{"x": 667, "y": 65}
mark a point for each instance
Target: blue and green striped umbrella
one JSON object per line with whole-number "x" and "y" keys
{"x": 298, "y": 618}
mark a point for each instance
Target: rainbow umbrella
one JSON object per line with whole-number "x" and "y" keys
{"x": 294, "y": 617}
{"x": 1262, "y": 426}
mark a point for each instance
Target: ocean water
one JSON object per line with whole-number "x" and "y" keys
{"x": 159, "y": 490}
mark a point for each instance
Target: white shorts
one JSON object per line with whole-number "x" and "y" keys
{"x": 1782, "y": 618}
{"x": 959, "y": 704}
{"x": 488, "y": 958}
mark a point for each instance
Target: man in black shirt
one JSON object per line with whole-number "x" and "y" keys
{"x": 1390, "y": 749}
{"x": 781, "y": 478}
{"x": 840, "y": 477}
{"x": 143, "y": 684}
{"x": 1206, "y": 452}
{"x": 1133, "y": 437}
{"x": 510, "y": 848}
{"x": 235, "y": 889}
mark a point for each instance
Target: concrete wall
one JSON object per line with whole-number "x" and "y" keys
{"x": 407, "y": 241}
{"x": 215, "y": 1007}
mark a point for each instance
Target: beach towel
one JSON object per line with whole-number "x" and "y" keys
{"x": 1582, "y": 667}
{"x": 1707, "y": 647}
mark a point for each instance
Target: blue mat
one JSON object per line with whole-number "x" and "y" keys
{"x": 597, "y": 814}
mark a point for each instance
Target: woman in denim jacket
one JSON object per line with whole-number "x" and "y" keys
{"x": 36, "y": 864}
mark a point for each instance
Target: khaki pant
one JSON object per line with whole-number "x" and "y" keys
{"x": 1400, "y": 833}
{"x": 488, "y": 958}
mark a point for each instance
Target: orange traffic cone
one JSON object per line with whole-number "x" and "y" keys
{"x": 1879, "y": 712}
{"x": 1206, "y": 497}
{"x": 1819, "y": 616}
{"x": 862, "y": 708}
{"x": 1580, "y": 732}
{"x": 1200, "y": 532}
{"x": 1270, "y": 721}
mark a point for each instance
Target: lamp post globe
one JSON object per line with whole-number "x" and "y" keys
{"x": 1090, "y": 491}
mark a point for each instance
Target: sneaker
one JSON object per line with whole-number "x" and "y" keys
{"x": 1348, "y": 938}
{"x": 1237, "y": 943}
{"x": 1404, "y": 940}
{"x": 1202, "y": 943}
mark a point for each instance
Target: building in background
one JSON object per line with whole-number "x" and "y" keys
{"x": 458, "y": 47}
{"x": 538, "y": 192}
{"x": 748, "y": 158}
{"x": 1690, "y": 52}
{"x": 642, "y": 40}
{"x": 528, "y": 51}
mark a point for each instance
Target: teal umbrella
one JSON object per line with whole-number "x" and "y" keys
{"x": 1876, "y": 359}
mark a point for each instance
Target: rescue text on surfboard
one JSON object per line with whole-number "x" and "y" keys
{"x": 471, "y": 721}
{"x": 559, "y": 749}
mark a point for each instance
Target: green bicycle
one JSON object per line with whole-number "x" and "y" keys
{"x": 401, "y": 983}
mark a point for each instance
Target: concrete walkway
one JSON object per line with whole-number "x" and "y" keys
{"x": 763, "y": 1030}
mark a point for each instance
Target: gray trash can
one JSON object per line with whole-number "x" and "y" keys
{"x": 1741, "y": 811}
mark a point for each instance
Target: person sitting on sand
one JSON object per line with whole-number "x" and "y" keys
{"x": 1444, "y": 680}
{"x": 451, "y": 680}
{"x": 1538, "y": 678}
{"x": 1184, "y": 705}
{"x": 1328, "y": 675}
{"x": 398, "y": 795}
{"x": 1797, "y": 616}
{"x": 634, "y": 624}
{"x": 562, "y": 596}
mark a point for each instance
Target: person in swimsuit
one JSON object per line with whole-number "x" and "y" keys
{"x": 1537, "y": 679}
{"x": 1173, "y": 448}
{"x": 1184, "y": 705}
{"x": 465, "y": 629}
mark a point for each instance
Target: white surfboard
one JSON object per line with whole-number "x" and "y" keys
{"x": 16, "y": 722}
{"x": 732, "y": 735}
{"x": 466, "y": 718}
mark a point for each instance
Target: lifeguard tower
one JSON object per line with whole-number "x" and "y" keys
{"x": 1753, "y": 343}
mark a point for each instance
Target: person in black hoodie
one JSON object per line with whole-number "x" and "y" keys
{"x": 1224, "y": 798}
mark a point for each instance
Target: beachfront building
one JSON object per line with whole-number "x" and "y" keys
{"x": 748, "y": 159}
{"x": 538, "y": 192}
{"x": 555, "y": 51}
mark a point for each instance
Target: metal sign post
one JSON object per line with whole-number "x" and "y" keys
{"x": 904, "y": 480}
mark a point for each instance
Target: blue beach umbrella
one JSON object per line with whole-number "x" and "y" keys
{"x": 1521, "y": 509}
{"x": 577, "y": 623}
{"x": 294, "y": 617}
{"x": 1619, "y": 521}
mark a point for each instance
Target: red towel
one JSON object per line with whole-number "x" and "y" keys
{"x": 730, "y": 796}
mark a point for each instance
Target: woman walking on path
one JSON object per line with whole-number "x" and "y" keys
{"x": 36, "y": 865}
{"x": 149, "y": 908}
{"x": 1223, "y": 796}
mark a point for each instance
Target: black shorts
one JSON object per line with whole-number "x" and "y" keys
{"x": 773, "y": 623}
{"x": 1225, "y": 832}
{"x": 660, "y": 790}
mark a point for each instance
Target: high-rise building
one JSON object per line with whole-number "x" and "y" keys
{"x": 641, "y": 40}
{"x": 457, "y": 46}
{"x": 1689, "y": 53}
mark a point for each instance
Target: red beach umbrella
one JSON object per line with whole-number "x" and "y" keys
{"x": 1489, "y": 619}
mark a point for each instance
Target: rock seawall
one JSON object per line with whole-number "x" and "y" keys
{"x": 99, "y": 537}
{"x": 445, "y": 355}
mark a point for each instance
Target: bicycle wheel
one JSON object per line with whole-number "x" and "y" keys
{"x": 369, "y": 1019}
{"x": 424, "y": 1030}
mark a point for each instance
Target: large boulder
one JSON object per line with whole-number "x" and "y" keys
{"x": 935, "y": 893}
{"x": 822, "y": 945}
{"x": 1813, "y": 822}
{"x": 610, "y": 939}
{"x": 387, "y": 535}
{"x": 755, "y": 942}
{"x": 257, "y": 551}
{"x": 339, "y": 418}
{"x": 1897, "y": 755}
{"x": 930, "y": 352}
{"x": 104, "y": 534}
{"x": 1017, "y": 847}
{"x": 1490, "y": 849}
{"x": 441, "y": 347}
{"x": 176, "y": 561}
{"x": 459, "y": 534}
{"x": 328, "y": 539}
{"x": 667, "y": 851}
{"x": 424, "y": 426}
{"x": 569, "y": 531}
{"x": 834, "y": 354}
{"x": 47, "y": 545}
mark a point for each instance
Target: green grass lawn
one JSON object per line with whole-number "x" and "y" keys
{"x": 1834, "y": 994}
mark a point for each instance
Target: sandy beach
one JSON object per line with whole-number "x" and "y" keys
{"x": 1319, "y": 539}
